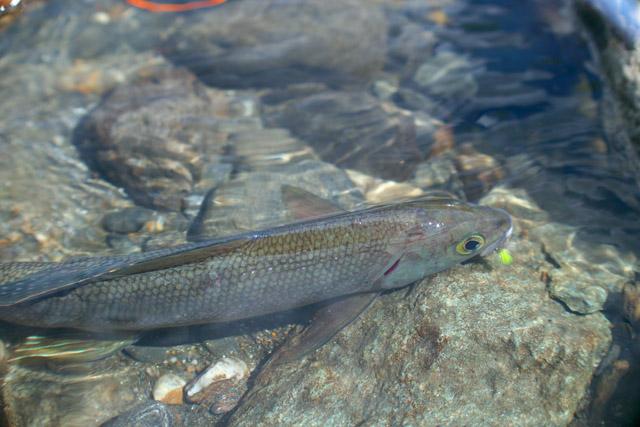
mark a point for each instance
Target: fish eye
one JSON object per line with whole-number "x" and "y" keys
{"x": 470, "y": 244}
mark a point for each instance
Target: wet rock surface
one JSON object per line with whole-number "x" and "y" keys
{"x": 298, "y": 41}
{"x": 478, "y": 340}
{"x": 147, "y": 414}
{"x": 353, "y": 130}
{"x": 614, "y": 35}
{"x": 153, "y": 137}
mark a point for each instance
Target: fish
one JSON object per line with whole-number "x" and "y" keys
{"x": 340, "y": 258}
{"x": 154, "y": 6}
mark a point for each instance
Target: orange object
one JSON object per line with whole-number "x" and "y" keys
{"x": 173, "y": 7}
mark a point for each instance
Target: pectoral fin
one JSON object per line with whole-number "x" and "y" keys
{"x": 326, "y": 322}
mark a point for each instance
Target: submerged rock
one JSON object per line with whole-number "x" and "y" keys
{"x": 353, "y": 130}
{"x": 168, "y": 389}
{"x": 479, "y": 342}
{"x": 228, "y": 210}
{"x": 578, "y": 271}
{"x": 154, "y": 136}
{"x": 447, "y": 75}
{"x": 279, "y": 42}
{"x": 478, "y": 172}
{"x": 92, "y": 397}
{"x": 220, "y": 386}
{"x": 150, "y": 414}
{"x": 127, "y": 220}
{"x": 614, "y": 28}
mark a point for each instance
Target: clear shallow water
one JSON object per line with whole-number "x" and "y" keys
{"x": 460, "y": 96}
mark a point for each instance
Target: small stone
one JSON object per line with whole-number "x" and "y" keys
{"x": 229, "y": 368}
{"x": 381, "y": 191}
{"x": 479, "y": 172}
{"x": 102, "y": 18}
{"x": 168, "y": 389}
{"x": 128, "y": 220}
{"x": 438, "y": 172}
{"x": 446, "y": 75}
{"x": 121, "y": 243}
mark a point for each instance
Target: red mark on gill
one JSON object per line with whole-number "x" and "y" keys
{"x": 393, "y": 267}
{"x": 152, "y": 6}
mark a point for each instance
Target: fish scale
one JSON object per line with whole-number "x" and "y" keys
{"x": 293, "y": 267}
{"x": 250, "y": 274}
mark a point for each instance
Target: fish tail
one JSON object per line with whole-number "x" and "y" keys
{"x": 152, "y": 6}
{"x": 67, "y": 350}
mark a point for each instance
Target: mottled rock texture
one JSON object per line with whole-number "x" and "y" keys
{"x": 481, "y": 344}
{"x": 152, "y": 137}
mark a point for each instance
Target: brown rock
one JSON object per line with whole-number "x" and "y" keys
{"x": 153, "y": 136}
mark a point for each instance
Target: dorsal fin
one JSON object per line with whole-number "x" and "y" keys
{"x": 68, "y": 275}
{"x": 302, "y": 204}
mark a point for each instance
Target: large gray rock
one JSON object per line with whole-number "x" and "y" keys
{"x": 279, "y": 42}
{"x": 481, "y": 344}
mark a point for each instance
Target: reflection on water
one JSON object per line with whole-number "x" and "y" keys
{"x": 119, "y": 126}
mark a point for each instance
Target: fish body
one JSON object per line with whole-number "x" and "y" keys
{"x": 255, "y": 273}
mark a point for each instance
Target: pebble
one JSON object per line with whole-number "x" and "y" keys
{"x": 168, "y": 389}
{"x": 226, "y": 372}
{"x": 128, "y": 220}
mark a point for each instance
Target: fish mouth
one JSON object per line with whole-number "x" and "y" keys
{"x": 500, "y": 242}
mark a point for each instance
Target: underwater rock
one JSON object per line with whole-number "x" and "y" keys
{"x": 220, "y": 386}
{"x": 377, "y": 190}
{"x": 477, "y": 171}
{"x": 353, "y": 130}
{"x": 583, "y": 297}
{"x": 615, "y": 36}
{"x": 473, "y": 343}
{"x": 279, "y": 42}
{"x": 228, "y": 212}
{"x": 150, "y": 414}
{"x": 35, "y": 395}
{"x": 168, "y": 389}
{"x": 582, "y": 272}
{"x": 438, "y": 173}
{"x": 632, "y": 305}
{"x": 579, "y": 272}
{"x": 410, "y": 44}
{"x": 447, "y": 75}
{"x": 127, "y": 220}
{"x": 265, "y": 149}
{"x": 153, "y": 137}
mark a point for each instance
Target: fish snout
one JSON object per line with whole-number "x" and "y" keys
{"x": 500, "y": 226}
